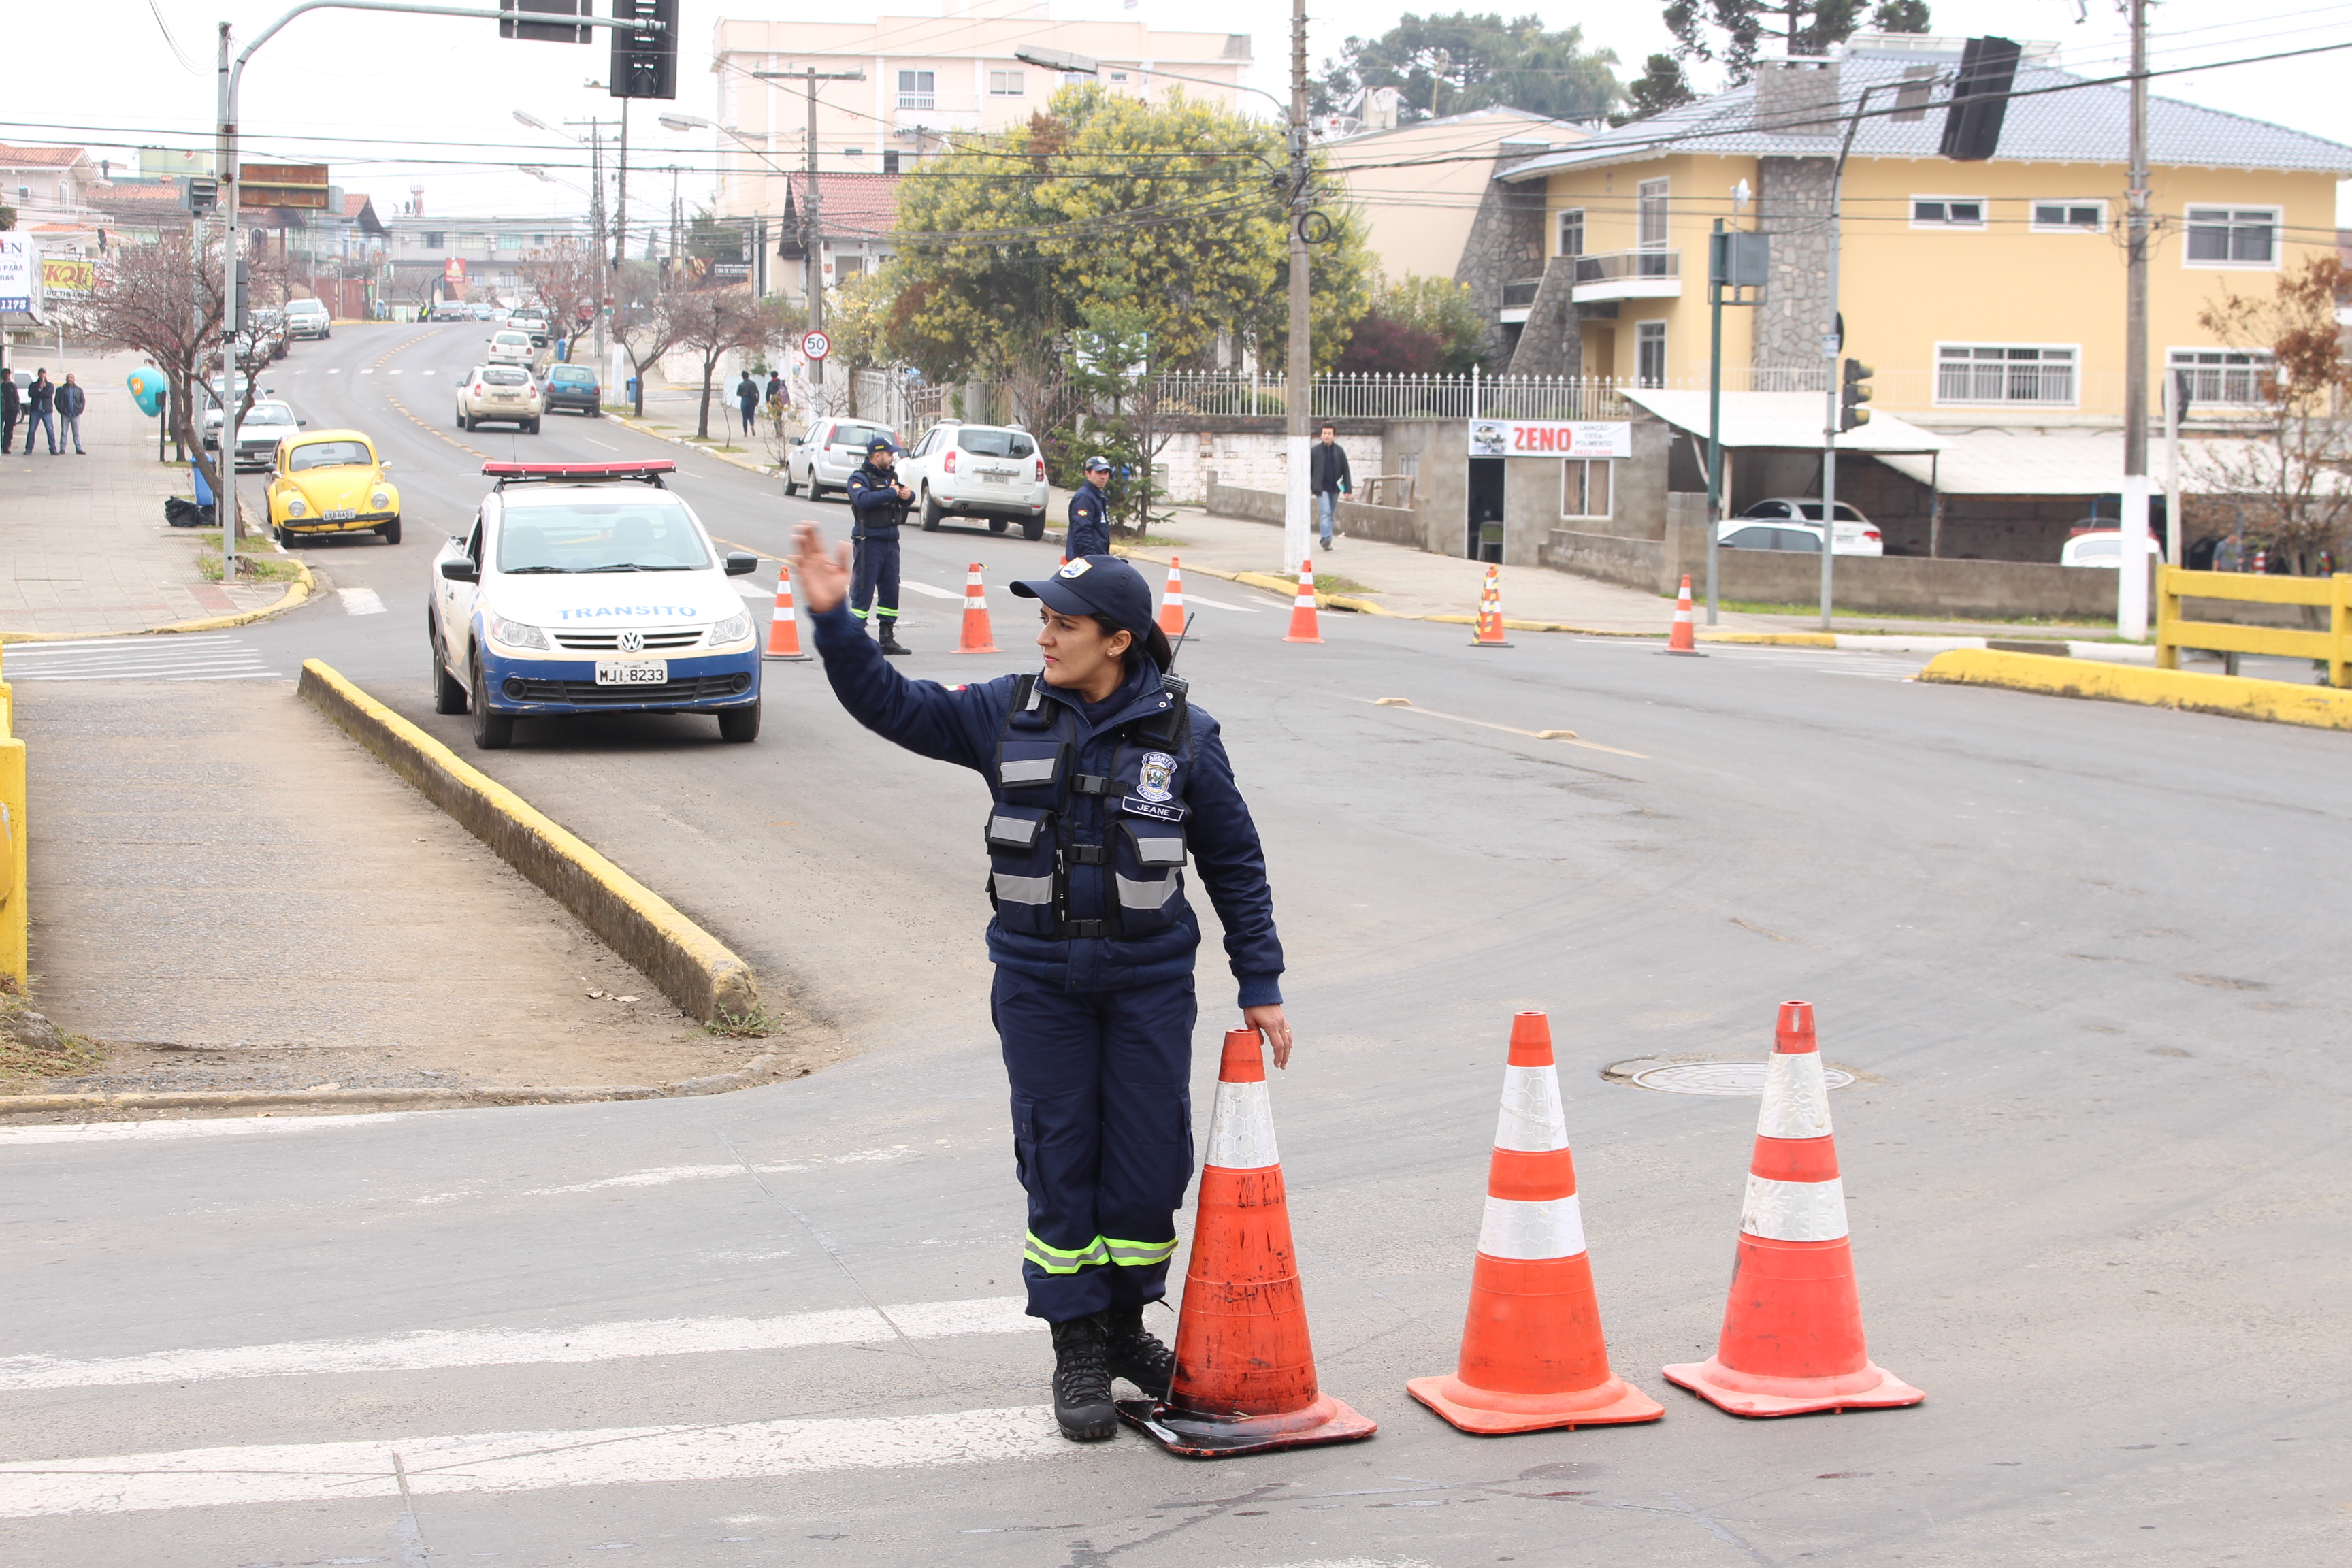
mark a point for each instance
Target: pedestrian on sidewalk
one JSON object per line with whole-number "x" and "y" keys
{"x": 40, "y": 404}
{"x": 1103, "y": 778}
{"x": 776, "y": 399}
{"x": 1089, "y": 529}
{"x": 747, "y": 398}
{"x": 1328, "y": 477}
{"x": 70, "y": 401}
{"x": 11, "y": 405}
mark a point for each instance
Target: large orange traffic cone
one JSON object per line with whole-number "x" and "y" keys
{"x": 1302, "y": 608}
{"x": 1792, "y": 1329}
{"x": 1245, "y": 1378}
{"x": 1490, "y": 612}
{"x": 1172, "y": 603}
{"x": 1685, "y": 634}
{"x": 783, "y": 627}
{"x": 1532, "y": 1355}
{"x": 978, "y": 636}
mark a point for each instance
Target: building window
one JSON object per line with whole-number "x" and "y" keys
{"x": 1006, "y": 84}
{"x": 1947, "y": 212}
{"x": 1584, "y": 487}
{"x": 2233, "y": 236}
{"x": 1649, "y": 354}
{"x": 848, "y": 267}
{"x": 1572, "y": 232}
{"x": 2033, "y": 375}
{"x": 2070, "y": 217}
{"x": 1119, "y": 76}
{"x": 1650, "y": 207}
{"x": 915, "y": 89}
{"x": 2229, "y": 376}
{"x": 853, "y": 151}
{"x": 434, "y": 238}
{"x": 890, "y": 162}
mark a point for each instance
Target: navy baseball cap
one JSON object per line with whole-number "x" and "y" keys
{"x": 1103, "y": 586}
{"x": 881, "y": 444}
{"x": 1098, "y": 464}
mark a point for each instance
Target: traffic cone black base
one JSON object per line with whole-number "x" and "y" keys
{"x": 1193, "y": 1435}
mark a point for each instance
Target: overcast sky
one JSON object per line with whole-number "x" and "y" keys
{"x": 430, "y": 100}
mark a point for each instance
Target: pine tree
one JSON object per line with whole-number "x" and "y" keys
{"x": 1736, "y": 33}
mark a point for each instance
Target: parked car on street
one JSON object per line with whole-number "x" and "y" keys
{"x": 1737, "y": 533}
{"x": 499, "y": 394}
{"x": 482, "y": 310}
{"x": 449, "y": 311}
{"x": 989, "y": 471}
{"x": 823, "y": 460}
{"x": 1856, "y": 534}
{"x": 590, "y": 588}
{"x": 2101, "y": 547}
{"x": 259, "y": 433}
{"x": 510, "y": 346}
{"x": 574, "y": 388}
{"x": 308, "y": 318}
{"x": 330, "y": 481}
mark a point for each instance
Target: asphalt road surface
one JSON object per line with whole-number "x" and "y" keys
{"x": 2082, "y": 957}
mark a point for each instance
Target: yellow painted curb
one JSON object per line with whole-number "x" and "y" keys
{"x": 1774, "y": 639}
{"x": 762, "y": 469}
{"x": 2238, "y": 697}
{"x": 693, "y": 968}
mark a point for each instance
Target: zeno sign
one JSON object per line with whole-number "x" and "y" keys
{"x": 1551, "y": 438}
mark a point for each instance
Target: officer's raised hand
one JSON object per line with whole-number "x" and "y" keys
{"x": 825, "y": 579}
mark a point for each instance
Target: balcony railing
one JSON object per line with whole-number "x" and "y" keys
{"x": 1629, "y": 275}
{"x": 916, "y": 100}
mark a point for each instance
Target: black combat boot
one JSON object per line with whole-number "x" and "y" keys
{"x": 1135, "y": 1354}
{"x": 890, "y": 643}
{"x": 1082, "y": 1382}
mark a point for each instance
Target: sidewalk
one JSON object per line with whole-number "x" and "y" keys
{"x": 86, "y": 550}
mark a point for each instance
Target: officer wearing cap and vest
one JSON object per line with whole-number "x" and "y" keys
{"x": 878, "y": 501}
{"x": 1105, "y": 780}
{"x": 1089, "y": 533}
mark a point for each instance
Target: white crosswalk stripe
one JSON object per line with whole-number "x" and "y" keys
{"x": 202, "y": 656}
{"x": 361, "y": 601}
{"x": 928, "y": 591}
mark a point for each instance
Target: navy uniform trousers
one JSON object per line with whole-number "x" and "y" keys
{"x": 1102, "y": 1135}
{"x": 876, "y": 576}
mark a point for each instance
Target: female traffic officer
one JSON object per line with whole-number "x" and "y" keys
{"x": 1104, "y": 779}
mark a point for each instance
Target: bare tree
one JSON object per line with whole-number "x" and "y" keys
{"x": 715, "y": 322}
{"x": 568, "y": 278}
{"x": 643, "y": 324}
{"x": 2292, "y": 479}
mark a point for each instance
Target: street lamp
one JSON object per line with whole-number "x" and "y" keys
{"x": 1298, "y": 377}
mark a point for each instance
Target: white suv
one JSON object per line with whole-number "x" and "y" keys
{"x": 308, "y": 318}
{"x": 989, "y": 471}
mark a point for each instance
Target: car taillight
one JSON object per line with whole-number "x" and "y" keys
{"x": 1041, "y": 471}
{"x": 948, "y": 462}
{"x": 1870, "y": 533}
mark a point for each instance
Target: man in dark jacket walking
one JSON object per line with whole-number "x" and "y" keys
{"x": 879, "y": 503}
{"x": 70, "y": 401}
{"x": 11, "y": 405}
{"x": 1327, "y": 478}
{"x": 41, "y": 401}
{"x": 747, "y": 398}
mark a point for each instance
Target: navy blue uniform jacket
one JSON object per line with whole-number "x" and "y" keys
{"x": 964, "y": 725}
{"x": 1089, "y": 531}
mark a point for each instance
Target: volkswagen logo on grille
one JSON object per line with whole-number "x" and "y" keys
{"x": 632, "y": 642}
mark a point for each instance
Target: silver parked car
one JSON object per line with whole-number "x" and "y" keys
{"x": 823, "y": 460}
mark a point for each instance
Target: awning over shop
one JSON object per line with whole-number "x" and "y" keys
{"x": 1785, "y": 420}
{"x": 2088, "y": 463}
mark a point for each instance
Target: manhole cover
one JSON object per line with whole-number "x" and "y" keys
{"x": 1744, "y": 1076}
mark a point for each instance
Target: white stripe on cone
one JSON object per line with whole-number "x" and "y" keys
{"x": 1240, "y": 1128}
{"x": 1531, "y": 1119}
{"x": 1794, "y": 1211}
{"x": 1532, "y": 1230}
{"x": 1796, "y": 1096}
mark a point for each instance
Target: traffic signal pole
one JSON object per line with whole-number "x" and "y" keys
{"x": 1834, "y": 345}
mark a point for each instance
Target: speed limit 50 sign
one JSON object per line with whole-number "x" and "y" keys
{"x": 816, "y": 345}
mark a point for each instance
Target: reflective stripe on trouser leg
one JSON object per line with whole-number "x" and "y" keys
{"x": 1101, "y": 1120}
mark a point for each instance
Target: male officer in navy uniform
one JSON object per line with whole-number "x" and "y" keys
{"x": 1105, "y": 779}
{"x": 879, "y": 503}
{"x": 1089, "y": 531}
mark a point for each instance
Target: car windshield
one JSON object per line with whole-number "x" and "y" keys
{"x": 856, "y": 436}
{"x": 306, "y": 307}
{"x": 2098, "y": 547}
{"x": 330, "y": 454}
{"x": 503, "y": 375}
{"x": 995, "y": 443}
{"x": 636, "y": 535}
{"x": 268, "y": 413}
{"x": 569, "y": 374}
{"x": 513, "y": 339}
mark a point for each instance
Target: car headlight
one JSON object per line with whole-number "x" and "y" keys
{"x": 294, "y": 507}
{"x": 379, "y": 501}
{"x": 734, "y": 628}
{"x": 514, "y": 633}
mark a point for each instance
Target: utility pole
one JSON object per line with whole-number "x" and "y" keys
{"x": 2131, "y": 582}
{"x": 596, "y": 220}
{"x": 813, "y": 213}
{"x": 1299, "y": 371}
{"x": 621, "y": 198}
{"x": 225, "y": 495}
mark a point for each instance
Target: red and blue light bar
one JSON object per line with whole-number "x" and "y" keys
{"x": 647, "y": 472}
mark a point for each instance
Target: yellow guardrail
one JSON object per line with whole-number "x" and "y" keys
{"x": 2332, "y": 646}
{"x": 13, "y": 955}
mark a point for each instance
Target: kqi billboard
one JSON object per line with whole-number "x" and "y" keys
{"x": 68, "y": 275}
{"x": 1551, "y": 438}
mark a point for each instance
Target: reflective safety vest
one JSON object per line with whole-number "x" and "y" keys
{"x": 1077, "y": 855}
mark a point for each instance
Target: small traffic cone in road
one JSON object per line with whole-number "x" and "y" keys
{"x": 1686, "y": 635}
{"x": 1172, "y": 603}
{"x": 1490, "y": 612}
{"x": 783, "y": 626}
{"x": 978, "y": 636}
{"x": 1532, "y": 1355}
{"x": 1245, "y": 1378}
{"x": 1792, "y": 1329}
{"x": 1302, "y": 608}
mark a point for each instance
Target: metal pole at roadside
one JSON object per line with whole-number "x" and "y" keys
{"x": 224, "y": 496}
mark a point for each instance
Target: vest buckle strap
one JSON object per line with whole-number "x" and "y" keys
{"x": 1087, "y": 853}
{"x": 1092, "y": 783}
{"x": 1098, "y": 930}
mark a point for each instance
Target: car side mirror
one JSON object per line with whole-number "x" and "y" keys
{"x": 741, "y": 563}
{"x": 385, "y": 464}
{"x": 461, "y": 571}
{"x": 299, "y": 423}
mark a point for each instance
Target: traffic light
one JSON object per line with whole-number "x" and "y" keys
{"x": 644, "y": 58}
{"x": 1854, "y": 394}
{"x": 203, "y": 194}
{"x": 237, "y": 305}
{"x": 1979, "y": 97}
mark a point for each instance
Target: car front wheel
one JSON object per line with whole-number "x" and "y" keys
{"x": 390, "y": 532}
{"x": 492, "y": 732}
{"x": 739, "y": 725}
{"x": 932, "y": 512}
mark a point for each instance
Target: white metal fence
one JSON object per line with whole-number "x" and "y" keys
{"x": 1230, "y": 396}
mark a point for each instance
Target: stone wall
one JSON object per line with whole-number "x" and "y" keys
{"x": 1552, "y": 341}
{"x": 1792, "y": 205}
{"x": 1505, "y": 243}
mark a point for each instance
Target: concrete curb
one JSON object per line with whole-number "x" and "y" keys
{"x": 2237, "y": 697}
{"x": 762, "y": 469}
{"x": 692, "y": 967}
{"x": 768, "y": 1068}
{"x": 297, "y": 592}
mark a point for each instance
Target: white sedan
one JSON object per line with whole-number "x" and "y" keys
{"x": 500, "y": 393}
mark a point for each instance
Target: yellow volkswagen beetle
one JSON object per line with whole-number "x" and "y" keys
{"x": 332, "y": 481}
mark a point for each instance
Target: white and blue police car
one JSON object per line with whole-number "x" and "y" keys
{"x": 590, "y": 588}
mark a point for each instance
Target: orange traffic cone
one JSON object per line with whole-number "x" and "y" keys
{"x": 978, "y": 636}
{"x": 1490, "y": 612}
{"x": 1302, "y": 608}
{"x": 1245, "y": 1378}
{"x": 1686, "y": 635}
{"x": 783, "y": 627}
{"x": 1532, "y": 1355}
{"x": 1792, "y": 1329}
{"x": 1172, "y": 603}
